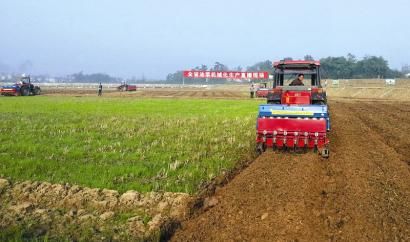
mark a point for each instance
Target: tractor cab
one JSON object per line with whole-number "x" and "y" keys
{"x": 25, "y": 80}
{"x": 287, "y": 71}
{"x": 297, "y": 83}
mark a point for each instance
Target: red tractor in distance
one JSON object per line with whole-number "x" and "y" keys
{"x": 127, "y": 88}
{"x": 295, "y": 116}
{"x": 24, "y": 87}
{"x": 262, "y": 90}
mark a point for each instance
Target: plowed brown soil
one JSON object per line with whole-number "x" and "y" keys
{"x": 361, "y": 193}
{"x": 155, "y": 93}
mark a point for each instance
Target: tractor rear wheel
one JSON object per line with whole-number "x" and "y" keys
{"x": 24, "y": 91}
{"x": 319, "y": 103}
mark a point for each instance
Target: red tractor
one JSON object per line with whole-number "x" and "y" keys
{"x": 127, "y": 88}
{"x": 262, "y": 90}
{"x": 296, "y": 114}
{"x": 24, "y": 87}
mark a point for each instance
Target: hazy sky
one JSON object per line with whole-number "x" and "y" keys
{"x": 152, "y": 37}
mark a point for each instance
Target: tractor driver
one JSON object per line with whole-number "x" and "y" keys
{"x": 298, "y": 81}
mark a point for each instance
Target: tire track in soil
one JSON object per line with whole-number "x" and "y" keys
{"x": 262, "y": 190}
{"x": 362, "y": 193}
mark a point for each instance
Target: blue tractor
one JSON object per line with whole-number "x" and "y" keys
{"x": 24, "y": 87}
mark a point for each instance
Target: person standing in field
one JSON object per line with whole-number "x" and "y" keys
{"x": 252, "y": 90}
{"x": 100, "y": 90}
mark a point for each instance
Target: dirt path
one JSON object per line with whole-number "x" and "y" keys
{"x": 362, "y": 193}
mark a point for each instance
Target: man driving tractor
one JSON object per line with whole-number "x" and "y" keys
{"x": 298, "y": 81}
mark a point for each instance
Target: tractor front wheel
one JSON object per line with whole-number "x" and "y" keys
{"x": 37, "y": 91}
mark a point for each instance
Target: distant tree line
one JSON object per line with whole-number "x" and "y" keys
{"x": 342, "y": 67}
{"x": 350, "y": 67}
{"x": 80, "y": 77}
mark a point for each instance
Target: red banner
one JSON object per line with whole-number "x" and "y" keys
{"x": 226, "y": 74}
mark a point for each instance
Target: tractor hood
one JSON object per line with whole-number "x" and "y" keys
{"x": 296, "y": 88}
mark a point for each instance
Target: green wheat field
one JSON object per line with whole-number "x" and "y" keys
{"x": 124, "y": 144}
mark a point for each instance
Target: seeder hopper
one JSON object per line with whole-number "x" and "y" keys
{"x": 296, "y": 114}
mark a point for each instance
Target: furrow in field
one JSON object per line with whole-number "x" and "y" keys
{"x": 389, "y": 123}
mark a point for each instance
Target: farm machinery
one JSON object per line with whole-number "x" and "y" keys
{"x": 262, "y": 90}
{"x": 126, "y": 88}
{"x": 296, "y": 114}
{"x": 24, "y": 87}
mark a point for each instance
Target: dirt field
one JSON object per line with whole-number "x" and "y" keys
{"x": 343, "y": 92}
{"x": 63, "y": 212}
{"x": 362, "y": 193}
{"x": 214, "y": 93}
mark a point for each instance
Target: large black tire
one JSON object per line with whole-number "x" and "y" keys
{"x": 319, "y": 103}
{"x": 25, "y": 91}
{"x": 37, "y": 91}
{"x": 270, "y": 99}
